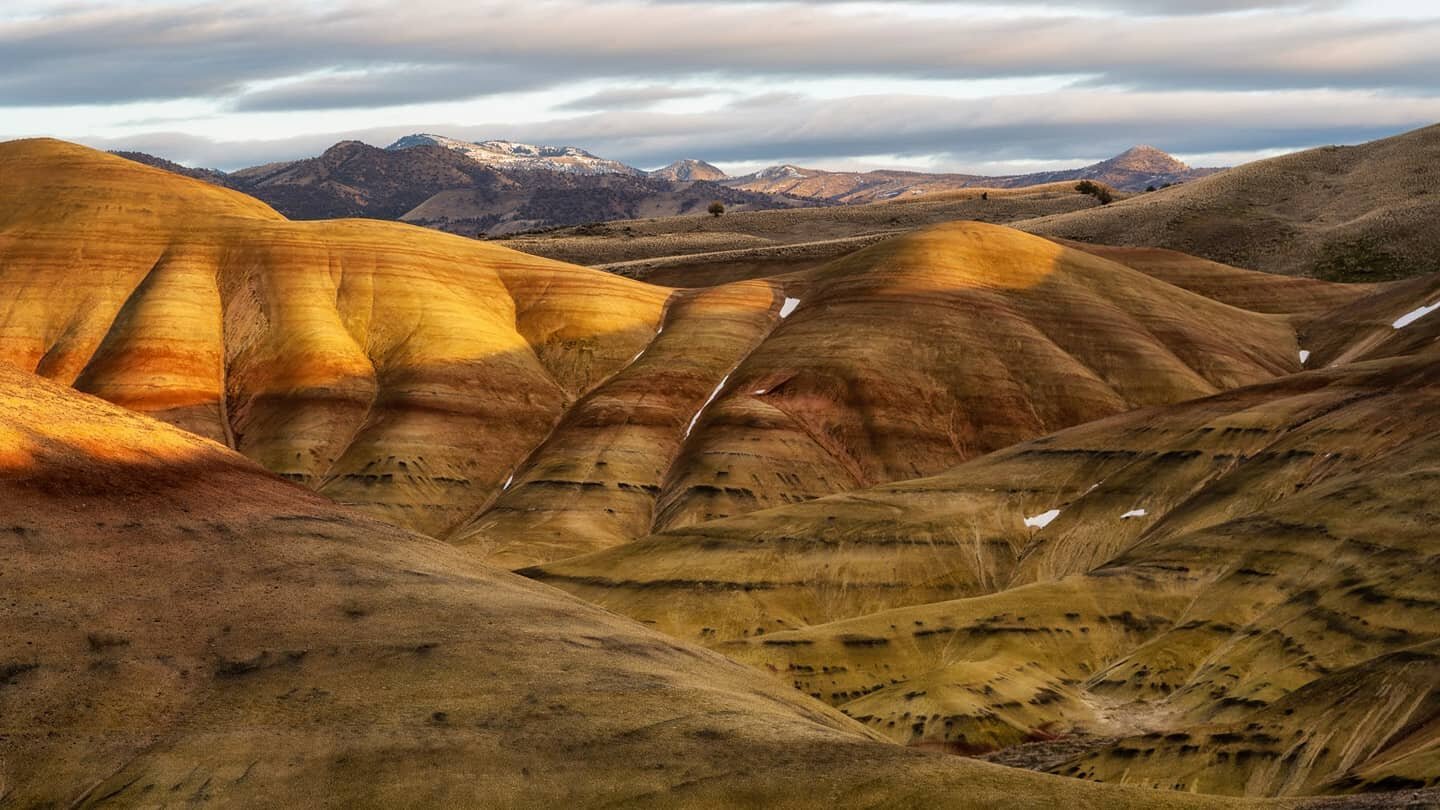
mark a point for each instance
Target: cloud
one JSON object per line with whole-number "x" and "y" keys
{"x": 388, "y": 87}
{"x": 634, "y": 98}
{"x": 223, "y": 52}
{"x": 1142, "y": 7}
{"x": 955, "y": 133}
{"x": 1267, "y": 74}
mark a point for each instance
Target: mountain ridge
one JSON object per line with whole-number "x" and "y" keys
{"x": 499, "y": 187}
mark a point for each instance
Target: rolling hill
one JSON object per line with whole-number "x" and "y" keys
{"x": 1345, "y": 213}
{"x": 696, "y": 252}
{"x": 533, "y": 409}
{"x": 180, "y": 627}
{"x": 1229, "y": 595}
{"x": 1120, "y": 514}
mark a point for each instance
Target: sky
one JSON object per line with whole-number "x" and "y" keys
{"x": 984, "y": 86}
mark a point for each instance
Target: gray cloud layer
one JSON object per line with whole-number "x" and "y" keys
{"x": 221, "y": 50}
{"x": 1184, "y": 74}
{"x": 960, "y": 132}
{"x": 634, "y": 98}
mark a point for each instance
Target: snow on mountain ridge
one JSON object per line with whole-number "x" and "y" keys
{"x": 510, "y": 155}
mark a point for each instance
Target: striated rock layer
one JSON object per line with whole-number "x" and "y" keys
{"x": 179, "y": 627}
{"x": 1203, "y": 577}
{"x": 414, "y": 374}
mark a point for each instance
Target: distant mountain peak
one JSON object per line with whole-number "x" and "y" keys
{"x": 689, "y": 169}
{"x": 784, "y": 171}
{"x": 1146, "y": 160}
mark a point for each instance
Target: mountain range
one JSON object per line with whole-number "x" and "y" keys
{"x": 1136, "y": 169}
{"x": 497, "y": 188}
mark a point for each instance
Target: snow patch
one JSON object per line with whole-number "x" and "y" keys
{"x": 521, "y": 156}
{"x": 508, "y": 482}
{"x": 1304, "y": 357}
{"x": 1414, "y": 315}
{"x": 789, "y": 307}
{"x": 1133, "y": 513}
{"x": 713, "y": 394}
{"x": 1043, "y": 519}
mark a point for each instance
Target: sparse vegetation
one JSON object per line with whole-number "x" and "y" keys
{"x": 1095, "y": 190}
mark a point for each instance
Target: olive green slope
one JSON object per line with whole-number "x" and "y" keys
{"x": 1402, "y": 318}
{"x": 179, "y": 628}
{"x": 1209, "y": 560}
{"x": 1302, "y": 298}
{"x": 976, "y": 529}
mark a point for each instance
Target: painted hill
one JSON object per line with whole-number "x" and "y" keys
{"x": 978, "y": 490}
{"x": 533, "y": 409}
{"x": 1349, "y": 213}
{"x": 181, "y": 623}
{"x": 1200, "y": 580}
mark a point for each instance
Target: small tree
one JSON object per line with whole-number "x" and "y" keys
{"x": 717, "y": 208}
{"x": 1149, "y": 189}
{"x": 1095, "y": 190}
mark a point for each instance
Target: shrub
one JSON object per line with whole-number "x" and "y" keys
{"x": 716, "y": 208}
{"x": 1095, "y": 190}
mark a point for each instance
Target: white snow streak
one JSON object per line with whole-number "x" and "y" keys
{"x": 1304, "y": 357}
{"x": 1132, "y": 514}
{"x": 713, "y": 395}
{"x": 1415, "y": 315}
{"x": 789, "y": 307}
{"x": 1043, "y": 519}
{"x": 508, "y": 482}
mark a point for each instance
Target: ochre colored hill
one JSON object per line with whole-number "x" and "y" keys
{"x": 383, "y": 365}
{"x": 180, "y": 627}
{"x": 909, "y": 356}
{"x": 414, "y": 374}
{"x": 1346, "y": 213}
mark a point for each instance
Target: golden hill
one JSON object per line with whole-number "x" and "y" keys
{"x": 1348, "y": 213}
{"x": 179, "y": 627}
{"x": 534, "y": 410}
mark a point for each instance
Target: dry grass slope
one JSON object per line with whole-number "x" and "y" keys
{"x": 1208, "y": 568}
{"x": 1345, "y": 213}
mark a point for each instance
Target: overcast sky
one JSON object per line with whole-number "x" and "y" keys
{"x": 985, "y": 86}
